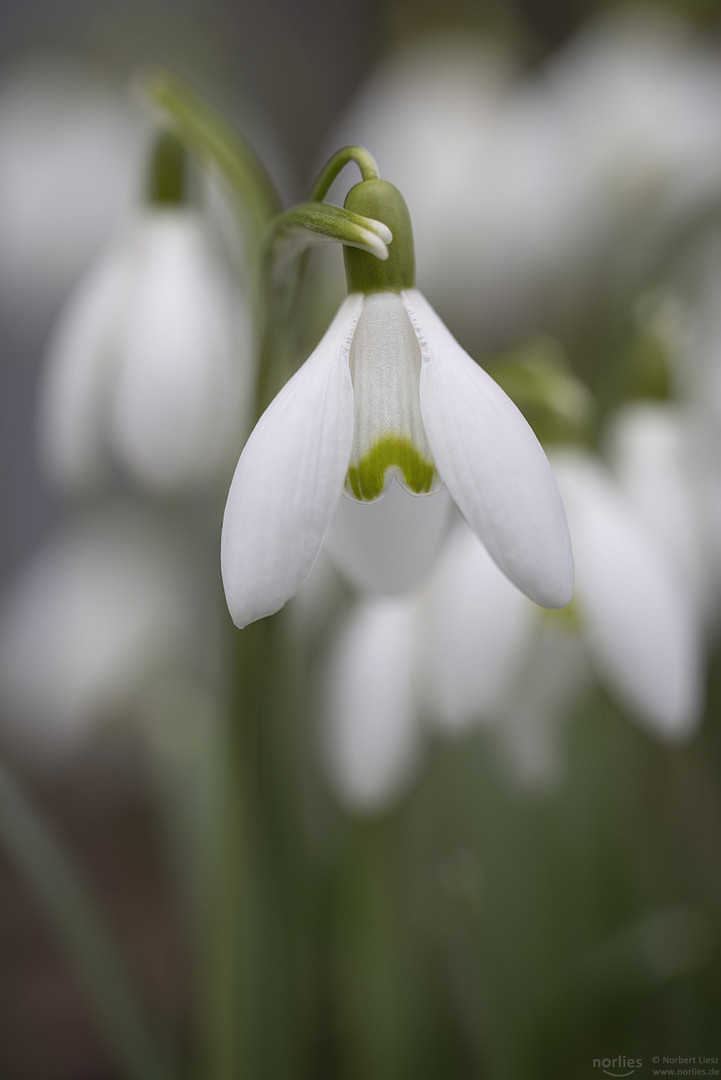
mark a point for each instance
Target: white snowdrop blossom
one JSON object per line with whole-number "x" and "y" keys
{"x": 96, "y": 612}
{"x": 388, "y": 396}
{"x": 657, "y": 457}
{"x": 617, "y": 130}
{"x": 469, "y": 652}
{"x": 370, "y": 741}
{"x": 143, "y": 368}
{"x": 637, "y": 615}
{"x": 635, "y": 91}
{"x": 466, "y": 651}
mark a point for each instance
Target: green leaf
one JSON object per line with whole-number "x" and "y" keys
{"x": 66, "y": 902}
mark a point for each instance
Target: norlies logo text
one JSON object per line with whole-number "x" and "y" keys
{"x": 618, "y": 1066}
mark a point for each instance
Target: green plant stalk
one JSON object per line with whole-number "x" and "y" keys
{"x": 65, "y": 900}
{"x": 248, "y": 942}
{"x": 220, "y": 957}
{"x": 363, "y": 159}
{"x": 210, "y": 137}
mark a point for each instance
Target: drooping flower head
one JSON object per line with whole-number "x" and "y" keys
{"x": 141, "y": 370}
{"x": 388, "y": 396}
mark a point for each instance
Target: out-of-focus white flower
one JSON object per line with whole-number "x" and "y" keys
{"x": 638, "y": 618}
{"x": 521, "y": 186}
{"x": 478, "y": 629}
{"x": 70, "y": 150}
{"x": 632, "y": 612}
{"x": 100, "y": 609}
{"x": 475, "y": 652}
{"x": 654, "y": 453}
{"x": 637, "y": 93}
{"x": 371, "y": 740}
{"x": 149, "y": 364}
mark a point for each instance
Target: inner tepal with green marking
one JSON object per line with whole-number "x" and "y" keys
{"x": 385, "y": 358}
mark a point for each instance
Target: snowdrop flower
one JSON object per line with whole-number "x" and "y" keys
{"x": 371, "y": 741}
{"x": 466, "y": 651}
{"x": 469, "y": 652}
{"x": 492, "y": 661}
{"x": 654, "y": 452}
{"x": 388, "y": 397}
{"x": 636, "y": 95}
{"x": 636, "y": 615}
{"x": 478, "y": 629}
{"x": 86, "y": 622}
{"x": 143, "y": 368}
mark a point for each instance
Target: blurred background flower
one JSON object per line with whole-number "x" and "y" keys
{"x": 150, "y": 364}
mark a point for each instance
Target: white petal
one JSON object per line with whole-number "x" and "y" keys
{"x": 650, "y": 452}
{"x": 289, "y": 479}
{"x": 75, "y": 384}
{"x": 492, "y": 464}
{"x": 388, "y": 545}
{"x": 478, "y": 629}
{"x": 176, "y": 404}
{"x": 370, "y": 735}
{"x": 638, "y": 620}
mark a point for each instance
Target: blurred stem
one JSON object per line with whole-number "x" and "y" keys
{"x": 210, "y": 137}
{"x": 376, "y": 996}
{"x": 220, "y": 946}
{"x": 248, "y": 952}
{"x": 363, "y": 159}
{"x": 69, "y": 907}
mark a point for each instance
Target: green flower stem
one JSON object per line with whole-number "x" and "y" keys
{"x": 265, "y": 715}
{"x": 67, "y": 903}
{"x": 363, "y": 159}
{"x": 375, "y": 989}
{"x": 222, "y": 915}
{"x": 211, "y": 138}
{"x": 248, "y": 984}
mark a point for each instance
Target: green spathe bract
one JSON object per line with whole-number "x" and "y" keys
{"x": 367, "y": 479}
{"x": 365, "y": 273}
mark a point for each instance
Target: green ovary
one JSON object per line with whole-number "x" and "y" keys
{"x": 367, "y": 479}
